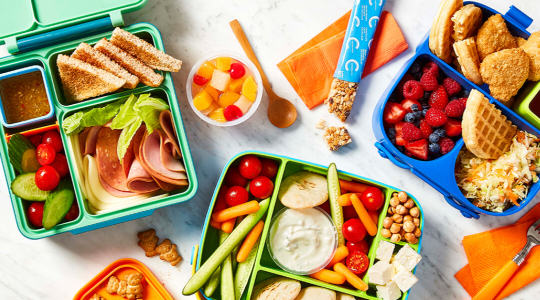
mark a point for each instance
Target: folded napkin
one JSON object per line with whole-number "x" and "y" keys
{"x": 310, "y": 69}
{"x": 489, "y": 251}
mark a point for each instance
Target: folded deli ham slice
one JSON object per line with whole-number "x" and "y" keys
{"x": 151, "y": 148}
{"x": 109, "y": 166}
{"x": 139, "y": 181}
{"x": 91, "y": 140}
{"x": 171, "y": 144}
{"x": 114, "y": 192}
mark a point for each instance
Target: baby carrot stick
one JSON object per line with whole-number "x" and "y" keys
{"x": 236, "y": 211}
{"x": 350, "y": 277}
{"x": 364, "y": 215}
{"x": 345, "y": 199}
{"x": 341, "y": 253}
{"x": 228, "y": 225}
{"x": 249, "y": 242}
{"x": 352, "y": 186}
{"x": 328, "y": 276}
{"x": 216, "y": 225}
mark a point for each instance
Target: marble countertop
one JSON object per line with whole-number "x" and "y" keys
{"x": 57, "y": 267}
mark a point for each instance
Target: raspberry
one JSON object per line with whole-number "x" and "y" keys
{"x": 451, "y": 86}
{"x": 446, "y": 145}
{"x": 410, "y": 132}
{"x": 413, "y": 90}
{"x": 435, "y": 117}
{"x": 405, "y": 78}
{"x": 432, "y": 68}
{"x": 454, "y": 109}
{"x": 429, "y": 82}
{"x": 438, "y": 98}
{"x": 425, "y": 129}
{"x": 464, "y": 101}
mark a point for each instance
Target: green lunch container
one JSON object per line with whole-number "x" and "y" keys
{"x": 265, "y": 267}
{"x": 36, "y": 32}
{"x": 527, "y": 103}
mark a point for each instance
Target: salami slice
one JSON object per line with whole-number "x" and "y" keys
{"x": 109, "y": 166}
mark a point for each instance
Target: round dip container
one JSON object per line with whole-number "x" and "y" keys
{"x": 302, "y": 241}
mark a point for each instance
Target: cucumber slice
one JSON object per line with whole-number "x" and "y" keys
{"x": 221, "y": 253}
{"x": 58, "y": 204}
{"x": 227, "y": 282}
{"x": 24, "y": 186}
{"x": 334, "y": 191}
{"x": 17, "y": 147}
{"x": 211, "y": 286}
{"x": 243, "y": 271}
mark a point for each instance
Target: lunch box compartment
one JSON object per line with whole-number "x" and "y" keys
{"x": 528, "y": 98}
{"x": 265, "y": 267}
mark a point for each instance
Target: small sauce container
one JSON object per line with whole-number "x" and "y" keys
{"x": 19, "y": 97}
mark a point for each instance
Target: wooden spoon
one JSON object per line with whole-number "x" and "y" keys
{"x": 281, "y": 112}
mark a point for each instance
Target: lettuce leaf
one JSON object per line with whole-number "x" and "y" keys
{"x": 127, "y": 114}
{"x": 148, "y": 109}
{"x": 93, "y": 117}
{"x": 126, "y": 136}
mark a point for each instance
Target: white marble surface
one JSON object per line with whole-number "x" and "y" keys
{"x": 55, "y": 268}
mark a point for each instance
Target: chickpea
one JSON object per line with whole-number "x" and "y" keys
{"x": 387, "y": 222}
{"x": 394, "y": 194}
{"x": 395, "y": 228}
{"x": 391, "y": 210}
{"x": 386, "y": 233}
{"x": 409, "y": 204}
{"x": 407, "y": 218}
{"x": 417, "y": 232}
{"x": 402, "y": 232}
{"x": 410, "y": 238}
{"x": 398, "y": 218}
{"x": 416, "y": 222}
{"x": 402, "y": 197}
{"x": 396, "y": 237}
{"x": 394, "y": 201}
{"x": 400, "y": 209}
{"x": 415, "y": 212}
{"x": 403, "y": 239}
{"x": 408, "y": 226}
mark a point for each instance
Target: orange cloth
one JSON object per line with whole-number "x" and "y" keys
{"x": 489, "y": 251}
{"x": 310, "y": 69}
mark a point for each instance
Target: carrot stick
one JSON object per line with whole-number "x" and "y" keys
{"x": 236, "y": 211}
{"x": 249, "y": 242}
{"x": 328, "y": 276}
{"x": 228, "y": 225}
{"x": 352, "y": 186}
{"x": 345, "y": 199}
{"x": 351, "y": 277}
{"x": 341, "y": 253}
{"x": 364, "y": 215}
{"x": 216, "y": 225}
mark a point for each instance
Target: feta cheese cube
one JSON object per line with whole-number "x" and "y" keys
{"x": 397, "y": 267}
{"x": 385, "y": 251}
{"x": 380, "y": 273}
{"x": 404, "y": 280}
{"x": 390, "y": 291}
{"x": 220, "y": 80}
{"x": 408, "y": 257}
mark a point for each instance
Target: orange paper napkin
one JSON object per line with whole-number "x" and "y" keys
{"x": 310, "y": 69}
{"x": 489, "y": 251}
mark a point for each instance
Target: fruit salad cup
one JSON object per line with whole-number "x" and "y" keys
{"x": 224, "y": 88}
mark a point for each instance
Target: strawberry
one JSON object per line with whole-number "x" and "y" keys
{"x": 435, "y": 117}
{"x": 425, "y": 129}
{"x": 451, "y": 86}
{"x": 429, "y": 82}
{"x": 413, "y": 90}
{"x": 446, "y": 144}
{"x": 432, "y": 68}
{"x": 418, "y": 148}
{"x": 455, "y": 108}
{"x": 410, "y": 132}
{"x": 393, "y": 113}
{"x": 407, "y": 103}
{"x": 399, "y": 135}
{"x": 452, "y": 127}
{"x": 439, "y": 98}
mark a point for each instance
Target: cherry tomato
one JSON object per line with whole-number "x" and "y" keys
{"x": 326, "y": 207}
{"x": 349, "y": 212}
{"x": 361, "y": 246}
{"x": 269, "y": 168}
{"x": 73, "y": 212}
{"x": 374, "y": 216}
{"x": 236, "y": 195}
{"x": 35, "y": 214}
{"x": 233, "y": 177}
{"x": 372, "y": 198}
{"x": 261, "y": 187}
{"x": 60, "y": 164}
{"x": 353, "y": 230}
{"x": 47, "y": 178}
{"x": 53, "y": 138}
{"x": 232, "y": 112}
{"x": 237, "y": 71}
{"x": 250, "y": 166}
{"x": 199, "y": 80}
{"x": 357, "y": 262}
{"x": 220, "y": 201}
{"x": 45, "y": 154}
{"x": 36, "y": 139}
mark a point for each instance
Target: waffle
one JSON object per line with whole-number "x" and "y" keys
{"x": 467, "y": 21}
{"x": 468, "y": 59}
{"x": 486, "y": 132}
{"x": 440, "y": 36}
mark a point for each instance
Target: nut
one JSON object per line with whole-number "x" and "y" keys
{"x": 416, "y": 222}
{"x": 417, "y": 232}
{"x": 398, "y": 218}
{"x": 409, "y": 204}
{"x": 409, "y": 226}
{"x": 407, "y": 218}
{"x": 387, "y": 222}
{"x": 402, "y": 197}
{"x": 396, "y": 237}
{"x": 415, "y": 212}
{"x": 394, "y": 201}
{"x": 400, "y": 209}
{"x": 386, "y": 233}
{"x": 395, "y": 228}
{"x": 410, "y": 238}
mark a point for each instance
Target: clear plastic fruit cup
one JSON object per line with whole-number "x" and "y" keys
{"x": 252, "y": 70}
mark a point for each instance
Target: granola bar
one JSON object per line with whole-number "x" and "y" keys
{"x": 341, "y": 98}
{"x": 336, "y": 137}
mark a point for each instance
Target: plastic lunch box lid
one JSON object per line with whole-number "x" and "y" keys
{"x": 152, "y": 289}
{"x": 21, "y": 19}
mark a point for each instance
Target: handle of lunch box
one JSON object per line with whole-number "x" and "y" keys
{"x": 467, "y": 213}
{"x": 385, "y": 154}
{"x": 519, "y": 17}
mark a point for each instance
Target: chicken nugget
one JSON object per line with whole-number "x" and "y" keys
{"x": 494, "y": 36}
{"x": 532, "y": 48}
{"x": 505, "y": 71}
{"x": 520, "y": 41}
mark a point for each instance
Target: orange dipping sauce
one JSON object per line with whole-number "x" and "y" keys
{"x": 24, "y": 97}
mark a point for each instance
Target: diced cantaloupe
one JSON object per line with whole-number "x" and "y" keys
{"x": 228, "y": 98}
{"x": 236, "y": 84}
{"x": 213, "y": 106}
{"x": 220, "y": 80}
{"x": 249, "y": 88}
{"x": 243, "y": 103}
{"x": 202, "y": 100}
{"x": 206, "y": 70}
{"x": 217, "y": 115}
{"x": 213, "y": 92}
{"x": 223, "y": 63}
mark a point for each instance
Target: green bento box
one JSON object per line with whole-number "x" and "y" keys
{"x": 527, "y": 101}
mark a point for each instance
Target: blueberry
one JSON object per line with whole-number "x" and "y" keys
{"x": 434, "y": 147}
{"x": 425, "y": 105}
{"x": 440, "y": 132}
{"x": 417, "y": 123}
{"x": 392, "y": 98}
{"x": 400, "y": 148}
{"x": 418, "y": 115}
{"x": 391, "y": 132}
{"x": 410, "y": 117}
{"x": 415, "y": 68}
{"x": 417, "y": 75}
{"x": 464, "y": 94}
{"x": 424, "y": 112}
{"x": 414, "y": 107}
{"x": 453, "y": 98}
{"x": 427, "y": 94}
{"x": 434, "y": 138}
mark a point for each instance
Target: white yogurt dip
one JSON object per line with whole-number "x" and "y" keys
{"x": 302, "y": 241}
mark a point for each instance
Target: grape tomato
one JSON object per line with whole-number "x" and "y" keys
{"x": 353, "y": 230}
{"x": 233, "y": 177}
{"x": 36, "y": 139}
{"x": 357, "y": 262}
{"x": 60, "y": 164}
{"x": 237, "y": 71}
{"x": 47, "y": 178}
{"x": 372, "y": 198}
{"x": 45, "y": 154}
{"x": 35, "y": 214}
{"x": 236, "y": 195}
{"x": 361, "y": 246}
{"x": 269, "y": 168}
{"x": 73, "y": 212}
{"x": 250, "y": 166}
{"x": 261, "y": 187}
{"x": 53, "y": 138}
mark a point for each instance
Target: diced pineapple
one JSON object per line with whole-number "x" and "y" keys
{"x": 228, "y": 98}
{"x": 224, "y": 63}
{"x": 213, "y": 106}
{"x": 213, "y": 92}
{"x": 217, "y": 115}
{"x": 220, "y": 80}
{"x": 202, "y": 100}
{"x": 206, "y": 70}
{"x": 249, "y": 88}
{"x": 244, "y": 104}
{"x": 236, "y": 84}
